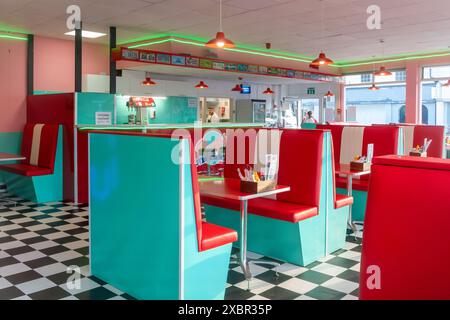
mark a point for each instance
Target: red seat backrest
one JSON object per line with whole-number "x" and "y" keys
{"x": 407, "y": 230}
{"x": 300, "y": 166}
{"x": 39, "y": 143}
{"x": 436, "y": 133}
{"x": 384, "y": 138}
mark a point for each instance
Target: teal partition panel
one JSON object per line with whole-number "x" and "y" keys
{"x": 168, "y": 110}
{"x": 336, "y": 226}
{"x": 134, "y": 214}
{"x": 87, "y": 104}
{"x": 309, "y": 126}
{"x": 204, "y": 273}
{"x": 10, "y": 143}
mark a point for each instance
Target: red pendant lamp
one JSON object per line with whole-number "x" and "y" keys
{"x": 220, "y": 41}
{"x": 202, "y": 85}
{"x": 322, "y": 59}
{"x": 382, "y": 72}
{"x": 447, "y": 84}
{"x": 268, "y": 91}
{"x": 373, "y": 87}
{"x": 237, "y": 88}
{"x": 329, "y": 94}
{"x": 148, "y": 81}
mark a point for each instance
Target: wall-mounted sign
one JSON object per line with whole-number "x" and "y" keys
{"x": 148, "y": 56}
{"x": 311, "y": 91}
{"x": 103, "y": 118}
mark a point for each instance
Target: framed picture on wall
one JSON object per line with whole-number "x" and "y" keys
{"x": 193, "y": 62}
{"x": 163, "y": 58}
{"x": 179, "y": 60}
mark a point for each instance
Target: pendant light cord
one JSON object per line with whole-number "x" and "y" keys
{"x": 220, "y": 18}
{"x": 322, "y": 24}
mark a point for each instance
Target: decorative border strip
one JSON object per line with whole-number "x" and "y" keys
{"x": 188, "y": 61}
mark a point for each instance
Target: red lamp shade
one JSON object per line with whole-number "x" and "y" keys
{"x": 148, "y": 82}
{"x": 220, "y": 42}
{"x": 321, "y": 60}
{"x": 373, "y": 87}
{"x": 268, "y": 91}
{"x": 237, "y": 88}
{"x": 329, "y": 94}
{"x": 447, "y": 84}
{"x": 202, "y": 85}
{"x": 382, "y": 72}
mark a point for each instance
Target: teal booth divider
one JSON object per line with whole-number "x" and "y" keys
{"x": 142, "y": 220}
{"x": 299, "y": 243}
{"x": 40, "y": 189}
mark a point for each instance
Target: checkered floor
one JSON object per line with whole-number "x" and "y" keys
{"x": 38, "y": 242}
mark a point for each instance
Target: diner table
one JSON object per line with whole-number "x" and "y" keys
{"x": 7, "y": 157}
{"x": 344, "y": 169}
{"x": 230, "y": 189}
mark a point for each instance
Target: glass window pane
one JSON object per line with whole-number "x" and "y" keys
{"x": 367, "y": 77}
{"x": 384, "y": 106}
{"x": 436, "y": 72}
{"x": 436, "y": 104}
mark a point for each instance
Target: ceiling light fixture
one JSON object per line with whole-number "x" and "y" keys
{"x": 220, "y": 41}
{"x": 382, "y": 72}
{"x": 329, "y": 94}
{"x": 202, "y": 85}
{"x": 373, "y": 87}
{"x": 87, "y": 34}
{"x": 447, "y": 84}
{"x": 268, "y": 91}
{"x": 148, "y": 81}
{"x": 237, "y": 88}
{"x": 322, "y": 59}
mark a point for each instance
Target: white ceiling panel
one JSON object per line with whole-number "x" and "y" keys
{"x": 291, "y": 25}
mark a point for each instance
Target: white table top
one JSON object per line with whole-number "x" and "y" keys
{"x": 5, "y": 157}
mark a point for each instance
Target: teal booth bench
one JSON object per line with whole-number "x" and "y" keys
{"x": 147, "y": 234}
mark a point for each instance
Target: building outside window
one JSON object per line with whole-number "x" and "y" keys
{"x": 376, "y": 107}
{"x": 435, "y": 95}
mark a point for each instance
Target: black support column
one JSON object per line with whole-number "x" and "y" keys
{"x": 30, "y": 65}
{"x": 112, "y": 62}
{"x": 78, "y": 57}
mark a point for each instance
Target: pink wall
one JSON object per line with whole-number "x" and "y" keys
{"x": 13, "y": 58}
{"x": 55, "y": 62}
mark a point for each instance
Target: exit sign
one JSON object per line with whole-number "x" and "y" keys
{"x": 311, "y": 91}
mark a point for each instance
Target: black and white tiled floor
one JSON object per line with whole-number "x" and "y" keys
{"x": 38, "y": 242}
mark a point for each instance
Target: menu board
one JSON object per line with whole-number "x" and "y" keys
{"x": 148, "y": 56}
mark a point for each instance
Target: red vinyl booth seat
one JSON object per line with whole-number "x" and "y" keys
{"x": 300, "y": 167}
{"x": 407, "y": 230}
{"x": 45, "y": 151}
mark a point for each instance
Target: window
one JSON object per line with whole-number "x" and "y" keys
{"x": 366, "y": 78}
{"x": 383, "y": 106}
{"x": 436, "y": 104}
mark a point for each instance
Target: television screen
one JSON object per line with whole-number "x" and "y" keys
{"x": 246, "y": 89}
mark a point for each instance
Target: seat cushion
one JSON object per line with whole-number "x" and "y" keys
{"x": 342, "y": 201}
{"x": 275, "y": 209}
{"x": 26, "y": 170}
{"x": 360, "y": 185}
{"x": 214, "y": 236}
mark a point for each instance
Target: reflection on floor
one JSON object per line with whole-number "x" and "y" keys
{"x": 38, "y": 242}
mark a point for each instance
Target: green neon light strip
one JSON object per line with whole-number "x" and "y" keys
{"x": 8, "y": 36}
{"x": 210, "y": 179}
{"x": 201, "y": 41}
{"x": 197, "y": 41}
{"x": 202, "y": 45}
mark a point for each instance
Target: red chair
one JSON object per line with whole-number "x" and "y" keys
{"x": 39, "y": 177}
{"x": 407, "y": 230}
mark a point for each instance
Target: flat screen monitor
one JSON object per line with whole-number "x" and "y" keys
{"x": 246, "y": 89}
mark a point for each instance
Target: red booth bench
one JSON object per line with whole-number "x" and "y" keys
{"x": 39, "y": 177}
{"x": 411, "y": 260}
